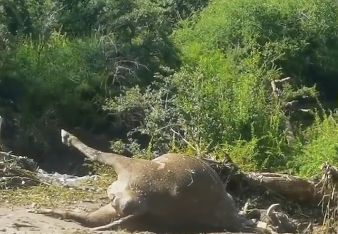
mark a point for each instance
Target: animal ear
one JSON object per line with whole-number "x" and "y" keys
{"x": 65, "y": 137}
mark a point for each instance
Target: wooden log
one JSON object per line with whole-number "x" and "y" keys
{"x": 291, "y": 187}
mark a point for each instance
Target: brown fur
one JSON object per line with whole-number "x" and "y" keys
{"x": 170, "y": 193}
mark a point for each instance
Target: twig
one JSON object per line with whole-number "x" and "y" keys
{"x": 187, "y": 142}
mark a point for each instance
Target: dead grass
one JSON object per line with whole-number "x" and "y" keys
{"x": 57, "y": 196}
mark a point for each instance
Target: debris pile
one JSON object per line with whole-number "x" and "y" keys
{"x": 20, "y": 171}
{"x": 17, "y": 171}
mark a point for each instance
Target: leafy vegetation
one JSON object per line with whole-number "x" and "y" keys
{"x": 244, "y": 45}
{"x": 319, "y": 145}
{"x": 199, "y": 77}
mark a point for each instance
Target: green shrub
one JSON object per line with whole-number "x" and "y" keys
{"x": 231, "y": 52}
{"x": 59, "y": 79}
{"x": 59, "y": 61}
{"x": 203, "y": 109}
{"x": 223, "y": 102}
{"x": 151, "y": 116}
{"x": 319, "y": 145}
{"x": 294, "y": 35}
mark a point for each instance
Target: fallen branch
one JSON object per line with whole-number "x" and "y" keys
{"x": 291, "y": 187}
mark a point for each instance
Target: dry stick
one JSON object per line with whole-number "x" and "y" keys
{"x": 180, "y": 135}
{"x": 328, "y": 182}
{"x": 274, "y": 85}
{"x": 282, "y": 80}
{"x": 276, "y": 93}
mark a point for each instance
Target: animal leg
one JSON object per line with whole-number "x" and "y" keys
{"x": 115, "y": 223}
{"x": 102, "y": 216}
{"x": 71, "y": 140}
{"x": 117, "y": 161}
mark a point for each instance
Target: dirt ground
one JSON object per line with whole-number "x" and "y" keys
{"x": 18, "y": 220}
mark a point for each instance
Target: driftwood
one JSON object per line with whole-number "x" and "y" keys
{"x": 298, "y": 189}
{"x": 291, "y": 187}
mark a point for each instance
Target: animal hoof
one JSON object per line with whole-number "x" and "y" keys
{"x": 41, "y": 211}
{"x": 65, "y": 137}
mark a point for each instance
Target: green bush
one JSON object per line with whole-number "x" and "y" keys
{"x": 223, "y": 103}
{"x": 319, "y": 145}
{"x": 60, "y": 61}
{"x": 293, "y": 35}
{"x": 151, "y": 116}
{"x": 208, "y": 108}
{"x": 222, "y": 97}
{"x": 58, "y": 79}
{"x": 231, "y": 52}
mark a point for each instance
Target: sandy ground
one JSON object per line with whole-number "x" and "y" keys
{"x": 18, "y": 220}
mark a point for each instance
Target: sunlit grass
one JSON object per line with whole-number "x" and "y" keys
{"x": 58, "y": 196}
